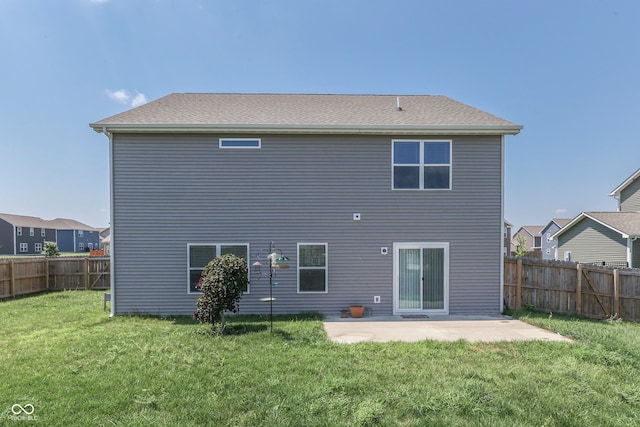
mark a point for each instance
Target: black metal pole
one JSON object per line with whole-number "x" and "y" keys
{"x": 271, "y": 287}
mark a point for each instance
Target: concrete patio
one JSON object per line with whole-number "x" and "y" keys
{"x": 438, "y": 328}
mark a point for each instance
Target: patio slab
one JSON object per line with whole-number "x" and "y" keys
{"x": 438, "y": 328}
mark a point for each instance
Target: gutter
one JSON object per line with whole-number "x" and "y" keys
{"x": 306, "y": 129}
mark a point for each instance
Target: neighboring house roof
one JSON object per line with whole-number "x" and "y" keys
{"x": 625, "y": 223}
{"x": 299, "y": 113}
{"x": 70, "y": 224}
{"x": 532, "y": 230}
{"x": 24, "y": 221}
{"x": 559, "y": 222}
{"x": 55, "y": 224}
{"x": 507, "y": 224}
{"x": 616, "y": 191}
{"x": 105, "y": 232}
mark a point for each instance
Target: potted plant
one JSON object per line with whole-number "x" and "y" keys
{"x": 356, "y": 310}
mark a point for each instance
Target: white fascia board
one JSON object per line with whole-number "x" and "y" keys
{"x": 306, "y": 129}
{"x": 616, "y": 191}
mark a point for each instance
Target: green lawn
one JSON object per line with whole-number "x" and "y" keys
{"x": 62, "y": 354}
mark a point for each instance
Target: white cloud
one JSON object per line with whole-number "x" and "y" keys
{"x": 561, "y": 211}
{"x": 122, "y": 96}
{"x": 139, "y": 99}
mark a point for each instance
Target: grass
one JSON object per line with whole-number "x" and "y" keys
{"x": 61, "y": 353}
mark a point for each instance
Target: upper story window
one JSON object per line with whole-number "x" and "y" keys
{"x": 43, "y": 232}
{"x": 80, "y": 233}
{"x": 240, "y": 143}
{"x": 421, "y": 165}
{"x": 31, "y": 231}
{"x": 18, "y": 231}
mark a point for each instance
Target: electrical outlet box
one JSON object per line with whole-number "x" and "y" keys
{"x": 356, "y": 216}
{"x": 384, "y": 250}
{"x": 376, "y": 299}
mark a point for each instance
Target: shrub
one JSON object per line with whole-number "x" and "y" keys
{"x": 50, "y": 249}
{"x": 222, "y": 283}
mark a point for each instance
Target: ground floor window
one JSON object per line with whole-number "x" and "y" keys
{"x": 81, "y": 246}
{"x": 24, "y": 247}
{"x": 312, "y": 267}
{"x": 199, "y": 255}
{"x": 37, "y": 247}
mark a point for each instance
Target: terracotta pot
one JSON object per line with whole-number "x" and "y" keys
{"x": 356, "y": 310}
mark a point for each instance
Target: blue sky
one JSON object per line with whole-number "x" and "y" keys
{"x": 568, "y": 71}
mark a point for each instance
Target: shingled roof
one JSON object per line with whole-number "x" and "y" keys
{"x": 625, "y": 223}
{"x": 306, "y": 113}
{"x": 54, "y": 224}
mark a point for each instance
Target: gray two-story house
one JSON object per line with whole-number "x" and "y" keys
{"x": 24, "y": 235}
{"x": 391, "y": 202}
{"x": 548, "y": 244}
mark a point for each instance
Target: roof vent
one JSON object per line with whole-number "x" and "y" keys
{"x": 398, "y": 103}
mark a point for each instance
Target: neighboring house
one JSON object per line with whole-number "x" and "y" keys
{"x": 105, "y": 240}
{"x": 506, "y": 236}
{"x": 74, "y": 236}
{"x": 627, "y": 194}
{"x": 548, "y": 244}
{"x": 532, "y": 236}
{"x": 391, "y": 202}
{"x": 25, "y": 235}
{"x": 603, "y": 238}
{"x": 606, "y": 238}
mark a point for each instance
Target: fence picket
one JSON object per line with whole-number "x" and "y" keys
{"x": 31, "y": 275}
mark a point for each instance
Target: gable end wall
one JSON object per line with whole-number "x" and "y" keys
{"x": 171, "y": 190}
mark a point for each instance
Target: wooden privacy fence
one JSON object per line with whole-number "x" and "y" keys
{"x": 564, "y": 287}
{"x": 31, "y": 275}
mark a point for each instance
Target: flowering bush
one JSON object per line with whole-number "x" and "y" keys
{"x": 222, "y": 283}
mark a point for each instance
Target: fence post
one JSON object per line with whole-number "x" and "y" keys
{"x": 579, "y": 289}
{"x": 46, "y": 272}
{"x": 519, "y": 284}
{"x": 616, "y": 296}
{"x": 86, "y": 273}
{"x": 11, "y": 278}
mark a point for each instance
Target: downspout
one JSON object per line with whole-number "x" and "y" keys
{"x": 501, "y": 305}
{"x": 15, "y": 240}
{"x": 112, "y": 278}
{"x": 630, "y": 241}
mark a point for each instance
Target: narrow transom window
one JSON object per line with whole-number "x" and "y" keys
{"x": 240, "y": 143}
{"x": 199, "y": 256}
{"x": 312, "y": 267}
{"x": 421, "y": 165}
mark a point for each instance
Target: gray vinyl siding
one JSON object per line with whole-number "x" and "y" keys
{"x": 171, "y": 190}
{"x": 630, "y": 197}
{"x": 6, "y": 238}
{"x": 549, "y": 244}
{"x": 635, "y": 254}
{"x": 592, "y": 242}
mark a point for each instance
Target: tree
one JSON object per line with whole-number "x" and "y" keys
{"x": 222, "y": 282}
{"x": 50, "y": 249}
{"x": 521, "y": 246}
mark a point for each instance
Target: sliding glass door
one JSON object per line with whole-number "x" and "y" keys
{"x": 421, "y": 277}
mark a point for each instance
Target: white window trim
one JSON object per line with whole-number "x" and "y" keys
{"x": 81, "y": 246}
{"x": 326, "y": 267}
{"x": 18, "y": 231}
{"x": 32, "y": 232}
{"x": 220, "y": 143}
{"x": 25, "y": 246}
{"x": 37, "y": 247}
{"x": 422, "y": 165}
{"x": 396, "y": 268}
{"x": 43, "y": 232}
{"x": 217, "y": 246}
